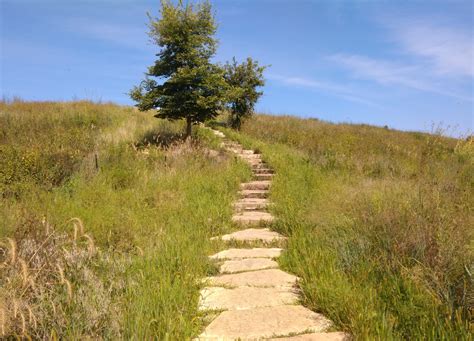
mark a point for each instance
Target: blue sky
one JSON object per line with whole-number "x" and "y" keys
{"x": 405, "y": 64}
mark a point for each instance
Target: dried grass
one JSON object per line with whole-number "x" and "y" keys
{"x": 37, "y": 297}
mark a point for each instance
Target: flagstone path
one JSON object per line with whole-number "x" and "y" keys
{"x": 252, "y": 297}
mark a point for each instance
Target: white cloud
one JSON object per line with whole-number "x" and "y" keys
{"x": 128, "y": 36}
{"x": 450, "y": 51}
{"x": 335, "y": 89}
{"x": 390, "y": 73}
{"x": 381, "y": 71}
{"x": 436, "y": 58}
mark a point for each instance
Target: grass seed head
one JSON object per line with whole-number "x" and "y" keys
{"x": 3, "y": 321}
{"x": 12, "y": 249}
{"x": 23, "y": 323}
{"x": 78, "y": 227}
{"x": 61, "y": 273}
{"x": 24, "y": 271}
{"x": 32, "y": 317}
{"x": 90, "y": 244}
{"x": 68, "y": 288}
{"x": 15, "y": 308}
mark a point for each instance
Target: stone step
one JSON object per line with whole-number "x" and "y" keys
{"x": 218, "y": 298}
{"x": 234, "y": 149}
{"x": 331, "y": 336}
{"x": 260, "y": 278}
{"x": 251, "y": 204}
{"x": 263, "y": 177}
{"x": 260, "y": 323}
{"x": 252, "y": 217}
{"x": 218, "y": 133}
{"x": 247, "y": 253}
{"x": 248, "y": 151}
{"x": 263, "y": 185}
{"x": 254, "y": 163}
{"x": 252, "y": 201}
{"x": 247, "y": 264}
{"x": 250, "y": 156}
{"x": 254, "y": 193}
{"x": 256, "y": 158}
{"x": 259, "y": 165}
{"x": 249, "y": 235}
{"x": 263, "y": 171}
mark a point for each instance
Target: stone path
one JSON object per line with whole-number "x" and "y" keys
{"x": 252, "y": 297}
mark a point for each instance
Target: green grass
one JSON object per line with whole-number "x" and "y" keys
{"x": 150, "y": 208}
{"x": 380, "y": 224}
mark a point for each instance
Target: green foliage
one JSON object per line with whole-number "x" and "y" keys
{"x": 188, "y": 86}
{"x": 41, "y": 144}
{"x": 150, "y": 208}
{"x": 243, "y": 80}
{"x": 379, "y": 224}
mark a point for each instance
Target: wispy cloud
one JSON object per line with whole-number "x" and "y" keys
{"x": 450, "y": 51}
{"x": 117, "y": 34}
{"x": 391, "y": 73}
{"x": 430, "y": 57}
{"x": 344, "y": 92}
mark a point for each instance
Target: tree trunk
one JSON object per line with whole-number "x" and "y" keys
{"x": 189, "y": 125}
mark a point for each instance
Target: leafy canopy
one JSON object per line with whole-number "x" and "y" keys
{"x": 183, "y": 83}
{"x": 243, "y": 80}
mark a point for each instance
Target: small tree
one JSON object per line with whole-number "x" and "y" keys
{"x": 243, "y": 80}
{"x": 188, "y": 86}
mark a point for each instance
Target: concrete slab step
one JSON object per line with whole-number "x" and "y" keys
{"x": 263, "y": 177}
{"x": 251, "y": 204}
{"x": 247, "y": 264}
{"x": 259, "y": 165}
{"x": 218, "y": 298}
{"x": 263, "y": 170}
{"x": 249, "y": 235}
{"x": 231, "y": 143}
{"x": 252, "y": 217}
{"x": 254, "y": 162}
{"x": 247, "y": 253}
{"x": 250, "y": 156}
{"x": 263, "y": 185}
{"x": 254, "y": 193}
{"x": 260, "y": 278}
{"x": 331, "y": 336}
{"x": 260, "y": 323}
{"x": 218, "y": 133}
{"x": 253, "y": 201}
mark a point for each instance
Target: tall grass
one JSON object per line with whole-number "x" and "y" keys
{"x": 147, "y": 201}
{"x": 380, "y": 224}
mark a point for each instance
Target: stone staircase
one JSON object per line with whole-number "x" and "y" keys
{"x": 252, "y": 298}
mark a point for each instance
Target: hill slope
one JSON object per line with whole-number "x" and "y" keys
{"x": 380, "y": 223}
{"x": 130, "y": 267}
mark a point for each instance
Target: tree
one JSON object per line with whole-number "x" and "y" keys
{"x": 243, "y": 80}
{"x": 187, "y": 85}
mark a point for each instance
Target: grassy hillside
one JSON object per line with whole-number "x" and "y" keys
{"x": 105, "y": 219}
{"x": 128, "y": 267}
{"x": 380, "y": 224}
